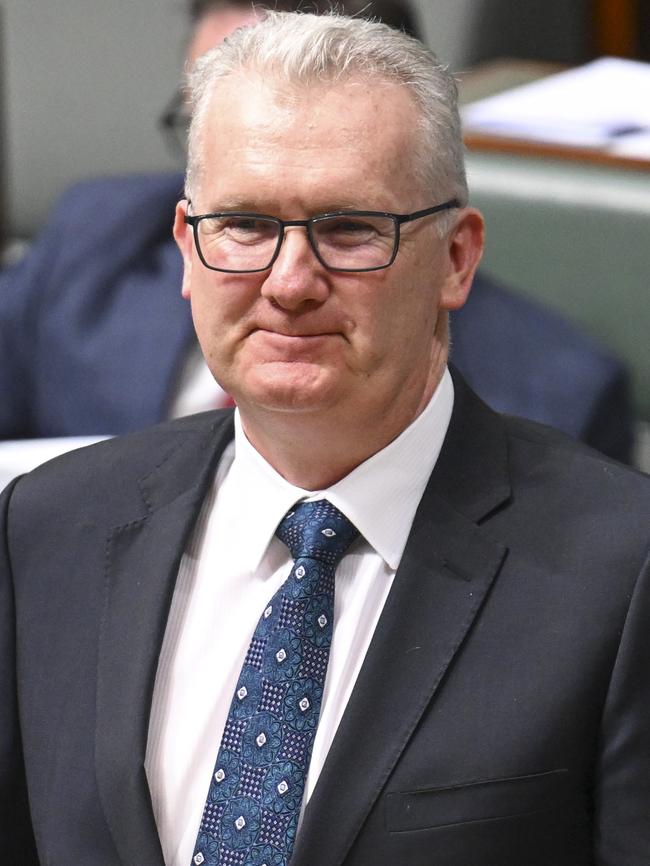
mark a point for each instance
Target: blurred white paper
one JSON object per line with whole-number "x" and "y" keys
{"x": 604, "y": 104}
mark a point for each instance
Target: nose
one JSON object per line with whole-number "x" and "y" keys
{"x": 297, "y": 277}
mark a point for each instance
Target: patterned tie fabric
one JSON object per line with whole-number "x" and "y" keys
{"x": 252, "y": 808}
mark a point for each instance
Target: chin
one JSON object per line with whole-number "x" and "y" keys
{"x": 296, "y": 390}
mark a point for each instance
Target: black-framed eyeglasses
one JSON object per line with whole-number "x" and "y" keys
{"x": 238, "y": 242}
{"x": 174, "y": 123}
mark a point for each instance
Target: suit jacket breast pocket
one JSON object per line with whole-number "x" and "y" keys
{"x": 489, "y": 800}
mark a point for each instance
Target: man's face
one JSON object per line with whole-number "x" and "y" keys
{"x": 298, "y": 337}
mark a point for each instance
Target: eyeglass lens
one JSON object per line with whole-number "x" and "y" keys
{"x": 248, "y": 243}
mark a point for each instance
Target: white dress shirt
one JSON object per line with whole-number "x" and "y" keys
{"x": 231, "y": 569}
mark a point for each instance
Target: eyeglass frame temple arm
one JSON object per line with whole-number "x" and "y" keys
{"x": 427, "y": 211}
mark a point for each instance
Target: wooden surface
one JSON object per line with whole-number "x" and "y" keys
{"x": 493, "y": 76}
{"x": 615, "y": 27}
{"x": 523, "y": 147}
{"x": 498, "y": 75}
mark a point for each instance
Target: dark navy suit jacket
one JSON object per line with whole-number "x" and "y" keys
{"x": 93, "y": 331}
{"x": 500, "y": 717}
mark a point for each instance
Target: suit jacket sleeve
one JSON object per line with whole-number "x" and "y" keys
{"x": 16, "y": 838}
{"x": 622, "y": 799}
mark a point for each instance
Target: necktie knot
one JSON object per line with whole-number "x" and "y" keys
{"x": 317, "y": 530}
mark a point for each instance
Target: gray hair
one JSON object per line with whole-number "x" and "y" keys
{"x": 303, "y": 48}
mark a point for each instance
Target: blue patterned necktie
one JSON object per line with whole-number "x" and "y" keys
{"x": 252, "y": 808}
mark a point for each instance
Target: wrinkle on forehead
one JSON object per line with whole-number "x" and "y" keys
{"x": 310, "y": 127}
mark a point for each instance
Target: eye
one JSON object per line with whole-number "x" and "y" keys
{"x": 246, "y": 225}
{"x": 239, "y": 229}
{"x": 346, "y": 230}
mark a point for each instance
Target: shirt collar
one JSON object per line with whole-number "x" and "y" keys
{"x": 397, "y": 475}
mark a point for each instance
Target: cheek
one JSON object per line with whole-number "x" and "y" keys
{"x": 221, "y": 302}
{"x": 207, "y": 310}
{"x": 380, "y": 330}
{"x": 211, "y": 317}
{"x": 411, "y": 322}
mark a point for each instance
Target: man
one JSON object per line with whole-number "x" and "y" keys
{"x": 487, "y": 685}
{"x": 95, "y": 339}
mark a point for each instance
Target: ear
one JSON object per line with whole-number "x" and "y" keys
{"x": 465, "y": 248}
{"x": 185, "y": 241}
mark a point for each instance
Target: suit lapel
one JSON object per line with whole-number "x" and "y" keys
{"x": 142, "y": 559}
{"x": 447, "y": 568}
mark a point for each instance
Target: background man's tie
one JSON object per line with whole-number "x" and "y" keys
{"x": 251, "y": 812}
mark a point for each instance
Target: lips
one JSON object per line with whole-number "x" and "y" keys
{"x": 303, "y": 334}
{"x": 292, "y": 344}
{"x": 281, "y": 337}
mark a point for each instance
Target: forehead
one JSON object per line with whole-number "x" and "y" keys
{"x": 358, "y": 135}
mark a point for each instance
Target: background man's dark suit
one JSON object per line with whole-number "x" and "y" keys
{"x": 93, "y": 331}
{"x": 501, "y": 716}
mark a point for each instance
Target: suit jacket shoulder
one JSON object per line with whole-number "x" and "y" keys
{"x": 115, "y": 474}
{"x": 525, "y": 359}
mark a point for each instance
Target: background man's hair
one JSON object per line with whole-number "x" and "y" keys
{"x": 302, "y": 49}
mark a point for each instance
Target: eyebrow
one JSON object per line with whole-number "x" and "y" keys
{"x": 247, "y": 206}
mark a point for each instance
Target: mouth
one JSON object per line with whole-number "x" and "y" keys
{"x": 274, "y": 334}
{"x": 294, "y": 345}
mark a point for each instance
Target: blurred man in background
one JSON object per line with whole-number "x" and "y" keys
{"x": 95, "y": 338}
